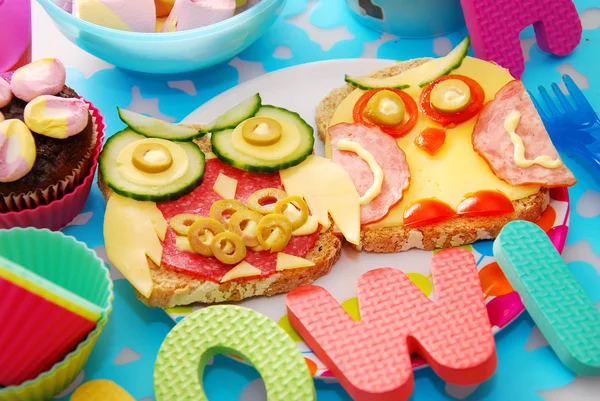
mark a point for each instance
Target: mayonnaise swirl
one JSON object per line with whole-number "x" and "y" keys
{"x": 510, "y": 125}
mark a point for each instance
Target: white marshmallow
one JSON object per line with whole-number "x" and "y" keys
{"x": 129, "y": 15}
{"x": 190, "y": 14}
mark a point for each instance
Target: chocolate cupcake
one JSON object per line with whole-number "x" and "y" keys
{"x": 64, "y": 136}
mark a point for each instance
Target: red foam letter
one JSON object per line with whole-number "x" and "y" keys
{"x": 371, "y": 358}
{"x": 495, "y": 25}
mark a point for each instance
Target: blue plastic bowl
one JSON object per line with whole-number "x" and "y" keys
{"x": 173, "y": 52}
{"x": 409, "y": 18}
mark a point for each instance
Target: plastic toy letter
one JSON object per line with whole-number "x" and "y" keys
{"x": 371, "y": 357}
{"x": 495, "y": 25}
{"x": 566, "y": 316}
{"x": 230, "y": 329}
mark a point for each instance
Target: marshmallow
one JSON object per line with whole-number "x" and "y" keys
{"x": 43, "y": 77}
{"x": 5, "y": 93}
{"x": 190, "y": 14}
{"x": 129, "y": 15}
{"x": 17, "y": 150}
{"x": 66, "y": 5}
{"x": 160, "y": 22}
{"x": 163, "y": 7}
{"x": 56, "y": 117}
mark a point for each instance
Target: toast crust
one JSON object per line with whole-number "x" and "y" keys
{"x": 457, "y": 231}
{"x": 173, "y": 288}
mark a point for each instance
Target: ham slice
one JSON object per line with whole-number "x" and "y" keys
{"x": 494, "y": 144}
{"x": 388, "y": 155}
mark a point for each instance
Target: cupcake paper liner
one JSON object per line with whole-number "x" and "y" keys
{"x": 56, "y": 206}
{"x": 71, "y": 265}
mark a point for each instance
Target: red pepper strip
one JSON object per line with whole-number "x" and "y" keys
{"x": 431, "y": 140}
{"x": 485, "y": 203}
{"x": 397, "y": 131}
{"x": 427, "y": 211}
{"x": 474, "y": 107}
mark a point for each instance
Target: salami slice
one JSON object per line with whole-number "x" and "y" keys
{"x": 388, "y": 155}
{"x": 494, "y": 144}
{"x": 199, "y": 202}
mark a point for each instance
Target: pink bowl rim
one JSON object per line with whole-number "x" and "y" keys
{"x": 88, "y": 180}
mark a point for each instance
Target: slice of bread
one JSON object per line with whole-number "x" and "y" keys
{"x": 454, "y": 232}
{"x": 172, "y": 288}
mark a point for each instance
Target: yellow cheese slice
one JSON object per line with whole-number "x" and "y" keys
{"x": 244, "y": 269}
{"x": 225, "y": 186}
{"x": 456, "y": 170}
{"x": 285, "y": 262}
{"x": 333, "y": 193}
{"x": 183, "y": 244}
{"x": 132, "y": 231}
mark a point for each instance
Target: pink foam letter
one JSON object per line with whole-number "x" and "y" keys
{"x": 371, "y": 358}
{"x": 494, "y": 27}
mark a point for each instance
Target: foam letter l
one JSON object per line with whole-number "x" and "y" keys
{"x": 371, "y": 358}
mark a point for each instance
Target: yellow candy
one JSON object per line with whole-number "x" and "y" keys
{"x": 101, "y": 390}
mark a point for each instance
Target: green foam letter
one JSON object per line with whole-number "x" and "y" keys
{"x": 229, "y": 329}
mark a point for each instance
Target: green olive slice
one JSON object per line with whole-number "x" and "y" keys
{"x": 244, "y": 223}
{"x": 274, "y": 232}
{"x": 450, "y": 96}
{"x": 182, "y": 222}
{"x": 202, "y": 233}
{"x": 299, "y": 213}
{"x": 223, "y": 209}
{"x": 152, "y": 158}
{"x": 263, "y": 201}
{"x": 386, "y": 108}
{"x": 261, "y": 131}
{"x": 228, "y": 248}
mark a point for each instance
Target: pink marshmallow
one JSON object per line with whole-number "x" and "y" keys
{"x": 66, "y": 5}
{"x": 43, "y": 77}
{"x": 5, "y": 93}
{"x": 17, "y": 150}
{"x": 191, "y": 14}
{"x": 127, "y": 15}
{"x": 56, "y": 117}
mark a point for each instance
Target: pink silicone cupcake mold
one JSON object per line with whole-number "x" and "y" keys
{"x": 59, "y": 212}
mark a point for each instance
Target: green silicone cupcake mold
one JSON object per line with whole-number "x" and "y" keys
{"x": 70, "y": 264}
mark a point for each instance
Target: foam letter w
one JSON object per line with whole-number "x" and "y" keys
{"x": 371, "y": 357}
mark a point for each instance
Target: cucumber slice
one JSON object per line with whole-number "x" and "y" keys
{"x": 172, "y": 191}
{"x": 224, "y": 150}
{"x": 419, "y": 76}
{"x": 155, "y": 128}
{"x": 231, "y": 118}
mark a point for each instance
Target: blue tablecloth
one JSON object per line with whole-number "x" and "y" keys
{"x": 311, "y": 31}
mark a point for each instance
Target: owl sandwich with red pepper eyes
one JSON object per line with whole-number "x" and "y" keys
{"x": 444, "y": 152}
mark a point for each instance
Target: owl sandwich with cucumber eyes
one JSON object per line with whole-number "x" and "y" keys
{"x": 197, "y": 218}
{"x": 446, "y": 151}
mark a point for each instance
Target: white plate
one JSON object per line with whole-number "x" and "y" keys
{"x": 300, "y": 89}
